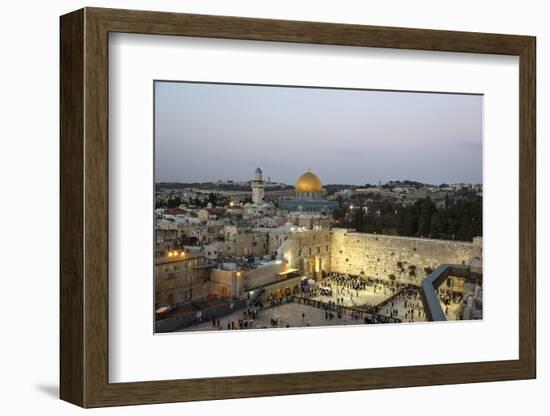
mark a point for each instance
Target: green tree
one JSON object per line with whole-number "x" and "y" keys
{"x": 339, "y": 215}
{"x": 427, "y": 209}
{"x": 359, "y": 219}
{"x": 173, "y": 202}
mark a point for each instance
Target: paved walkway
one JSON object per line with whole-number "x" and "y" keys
{"x": 407, "y": 308}
{"x": 452, "y": 311}
{"x": 413, "y": 312}
{"x": 288, "y": 314}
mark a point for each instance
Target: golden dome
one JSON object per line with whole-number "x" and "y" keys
{"x": 309, "y": 182}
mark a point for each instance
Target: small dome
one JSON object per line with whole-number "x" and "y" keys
{"x": 309, "y": 182}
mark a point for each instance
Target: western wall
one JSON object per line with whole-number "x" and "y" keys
{"x": 405, "y": 259}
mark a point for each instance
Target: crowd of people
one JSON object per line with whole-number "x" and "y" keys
{"x": 339, "y": 294}
{"x": 448, "y": 297}
{"x": 347, "y": 288}
{"x": 451, "y": 303}
{"x": 246, "y": 321}
{"x": 280, "y": 297}
{"x": 334, "y": 310}
{"x": 406, "y": 306}
{"x": 402, "y": 303}
{"x": 355, "y": 283}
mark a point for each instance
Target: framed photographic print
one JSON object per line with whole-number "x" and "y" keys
{"x": 255, "y": 207}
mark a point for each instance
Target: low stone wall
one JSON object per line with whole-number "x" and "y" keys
{"x": 183, "y": 321}
{"x": 228, "y": 283}
{"x": 281, "y": 285}
{"x": 262, "y": 275}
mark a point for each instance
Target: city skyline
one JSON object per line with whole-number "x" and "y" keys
{"x": 209, "y": 132}
{"x": 270, "y": 181}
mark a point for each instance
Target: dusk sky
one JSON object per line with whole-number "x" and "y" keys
{"x": 206, "y": 132}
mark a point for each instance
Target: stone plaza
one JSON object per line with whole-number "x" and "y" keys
{"x": 287, "y": 315}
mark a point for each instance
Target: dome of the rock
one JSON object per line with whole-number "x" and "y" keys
{"x": 309, "y": 182}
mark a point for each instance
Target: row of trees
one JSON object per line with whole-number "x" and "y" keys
{"x": 458, "y": 220}
{"x": 226, "y": 186}
{"x": 175, "y": 201}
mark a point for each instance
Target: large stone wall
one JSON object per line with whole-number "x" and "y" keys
{"x": 308, "y": 251}
{"x": 381, "y": 256}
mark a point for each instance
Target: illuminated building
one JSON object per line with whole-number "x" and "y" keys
{"x": 309, "y": 197}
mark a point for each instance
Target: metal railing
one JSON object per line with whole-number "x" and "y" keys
{"x": 346, "y": 310}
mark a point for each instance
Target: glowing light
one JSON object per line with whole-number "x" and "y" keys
{"x": 182, "y": 254}
{"x": 170, "y": 254}
{"x": 351, "y": 207}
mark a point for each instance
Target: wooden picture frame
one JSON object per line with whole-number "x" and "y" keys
{"x": 84, "y": 207}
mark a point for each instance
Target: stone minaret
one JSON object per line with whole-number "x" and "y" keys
{"x": 258, "y": 187}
